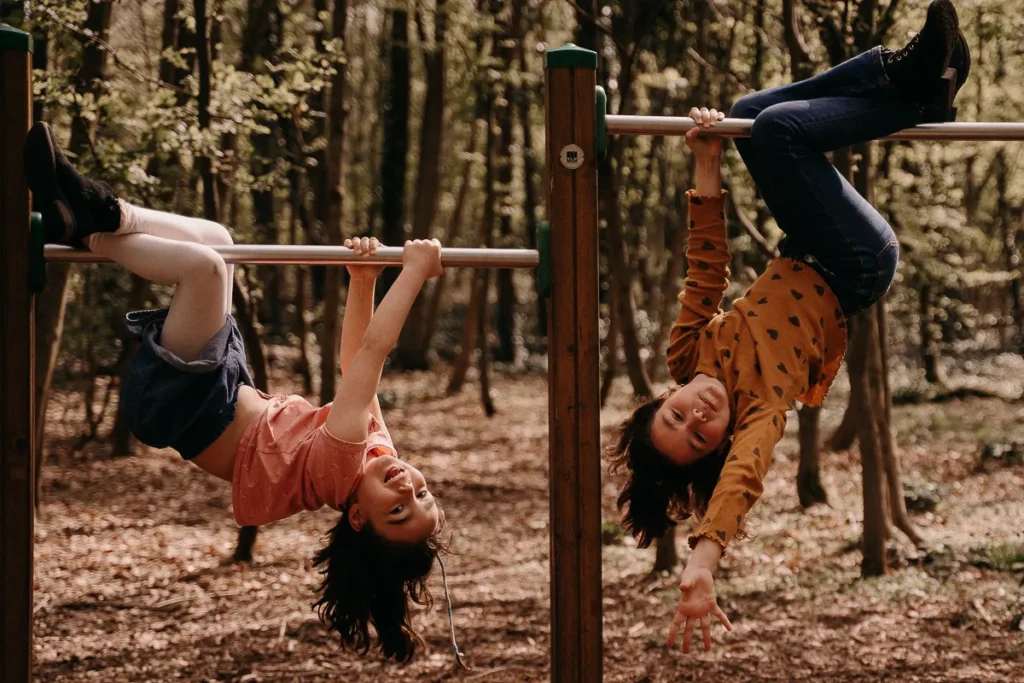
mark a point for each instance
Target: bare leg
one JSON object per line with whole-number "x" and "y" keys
{"x": 135, "y": 219}
{"x": 202, "y": 297}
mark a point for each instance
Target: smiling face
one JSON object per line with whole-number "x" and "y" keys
{"x": 394, "y": 500}
{"x": 692, "y": 422}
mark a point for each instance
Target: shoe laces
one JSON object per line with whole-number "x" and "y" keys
{"x": 906, "y": 50}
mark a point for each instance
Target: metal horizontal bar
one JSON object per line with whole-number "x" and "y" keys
{"x": 740, "y": 128}
{"x": 309, "y": 255}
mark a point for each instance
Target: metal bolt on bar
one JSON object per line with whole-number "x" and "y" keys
{"x": 740, "y": 128}
{"x": 311, "y": 255}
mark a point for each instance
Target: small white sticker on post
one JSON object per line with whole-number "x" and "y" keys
{"x": 571, "y": 157}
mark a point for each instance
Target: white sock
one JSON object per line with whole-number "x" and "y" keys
{"x": 129, "y": 219}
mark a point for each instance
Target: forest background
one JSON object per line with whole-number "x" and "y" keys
{"x": 308, "y": 121}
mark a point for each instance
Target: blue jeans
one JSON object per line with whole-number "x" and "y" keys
{"x": 827, "y": 223}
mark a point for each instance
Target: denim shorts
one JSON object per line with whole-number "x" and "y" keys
{"x": 184, "y": 405}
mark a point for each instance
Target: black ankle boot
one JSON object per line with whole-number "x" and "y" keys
{"x": 915, "y": 69}
{"x": 939, "y": 108}
{"x": 73, "y": 206}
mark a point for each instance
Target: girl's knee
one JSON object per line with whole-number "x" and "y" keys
{"x": 772, "y": 125}
{"x": 215, "y": 233}
{"x": 746, "y": 107}
{"x": 204, "y": 262}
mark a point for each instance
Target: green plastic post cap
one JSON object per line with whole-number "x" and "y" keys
{"x": 570, "y": 56}
{"x": 13, "y": 39}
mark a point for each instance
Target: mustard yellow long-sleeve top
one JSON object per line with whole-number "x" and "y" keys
{"x": 783, "y": 340}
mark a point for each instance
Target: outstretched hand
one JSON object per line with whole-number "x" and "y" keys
{"x": 363, "y": 247}
{"x": 697, "y": 603}
{"x": 704, "y": 146}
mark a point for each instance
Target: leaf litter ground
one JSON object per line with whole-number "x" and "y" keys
{"x": 132, "y": 584}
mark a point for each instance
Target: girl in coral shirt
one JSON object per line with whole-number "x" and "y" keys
{"x": 189, "y": 389}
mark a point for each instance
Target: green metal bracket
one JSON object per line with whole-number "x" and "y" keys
{"x": 571, "y": 56}
{"x": 13, "y": 39}
{"x": 601, "y": 104}
{"x": 544, "y": 265}
{"x": 36, "y": 261}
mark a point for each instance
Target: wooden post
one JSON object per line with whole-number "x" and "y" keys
{"x": 17, "y": 393}
{"x": 573, "y": 372}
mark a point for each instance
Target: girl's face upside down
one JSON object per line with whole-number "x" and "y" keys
{"x": 393, "y": 498}
{"x": 693, "y": 420}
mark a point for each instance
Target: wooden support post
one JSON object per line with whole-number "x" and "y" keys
{"x": 573, "y": 351}
{"x": 17, "y": 393}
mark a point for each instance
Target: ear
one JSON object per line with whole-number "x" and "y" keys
{"x": 668, "y": 392}
{"x": 356, "y": 519}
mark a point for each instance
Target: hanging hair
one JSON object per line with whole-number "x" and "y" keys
{"x": 368, "y": 580}
{"x": 658, "y": 493}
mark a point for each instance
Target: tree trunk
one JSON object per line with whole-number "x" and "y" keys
{"x": 620, "y": 278}
{"x": 454, "y": 231}
{"x": 611, "y": 347}
{"x": 331, "y": 330}
{"x": 414, "y": 344}
{"x": 478, "y": 296}
{"x": 468, "y": 342}
{"x": 890, "y": 461}
{"x": 505, "y": 311}
{"x": 248, "y": 325}
{"x": 670, "y": 278}
{"x": 929, "y": 341}
{"x": 51, "y": 302}
{"x": 523, "y": 97}
{"x": 205, "y": 164}
{"x": 809, "y": 488}
{"x": 666, "y": 557}
{"x": 298, "y": 214}
{"x": 484, "y": 345}
{"x": 863, "y": 366}
{"x": 396, "y": 143}
{"x": 120, "y": 435}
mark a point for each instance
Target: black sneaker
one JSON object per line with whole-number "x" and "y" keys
{"x": 915, "y": 69}
{"x": 73, "y": 207}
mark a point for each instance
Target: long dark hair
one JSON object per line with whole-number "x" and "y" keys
{"x": 370, "y": 580}
{"x": 659, "y": 493}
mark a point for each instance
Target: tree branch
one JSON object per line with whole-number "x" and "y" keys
{"x": 749, "y": 226}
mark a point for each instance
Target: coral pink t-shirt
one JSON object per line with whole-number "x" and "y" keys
{"x": 287, "y": 462}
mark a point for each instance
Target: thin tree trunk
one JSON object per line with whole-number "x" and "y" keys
{"x": 890, "y": 460}
{"x": 620, "y": 279}
{"x": 670, "y": 279}
{"x": 505, "y": 310}
{"x": 666, "y": 557}
{"x": 210, "y": 209}
{"x": 396, "y": 142}
{"x": 611, "y": 345}
{"x": 809, "y": 488}
{"x": 929, "y": 342}
{"x": 478, "y": 296}
{"x": 863, "y": 367}
{"x": 120, "y": 435}
{"x": 523, "y": 98}
{"x": 51, "y": 303}
{"x": 256, "y": 352}
{"x": 414, "y": 344}
{"x": 331, "y": 330}
{"x": 483, "y": 342}
{"x": 454, "y": 231}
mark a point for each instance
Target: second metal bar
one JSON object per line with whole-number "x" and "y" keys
{"x": 281, "y": 254}
{"x": 740, "y": 128}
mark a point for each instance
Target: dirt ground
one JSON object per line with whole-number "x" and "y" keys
{"x": 131, "y": 583}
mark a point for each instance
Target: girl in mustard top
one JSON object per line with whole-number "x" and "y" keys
{"x": 703, "y": 448}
